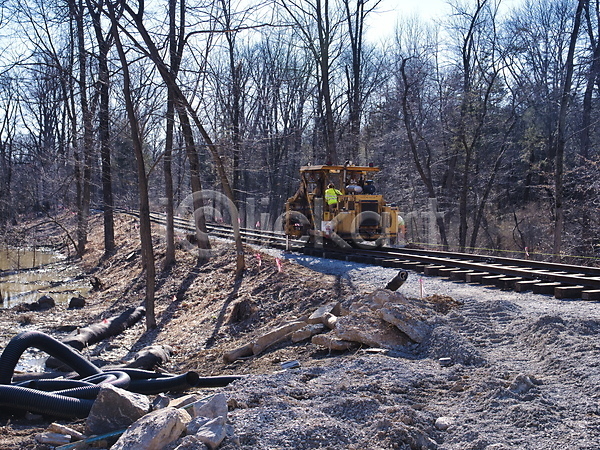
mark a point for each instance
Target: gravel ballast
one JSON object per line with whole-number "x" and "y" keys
{"x": 522, "y": 373}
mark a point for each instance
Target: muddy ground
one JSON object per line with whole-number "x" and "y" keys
{"x": 524, "y": 370}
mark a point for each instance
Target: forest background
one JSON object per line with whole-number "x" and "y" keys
{"x": 484, "y": 122}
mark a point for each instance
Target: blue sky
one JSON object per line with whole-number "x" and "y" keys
{"x": 384, "y": 21}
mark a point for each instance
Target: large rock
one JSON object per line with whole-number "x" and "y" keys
{"x": 369, "y": 329}
{"x": 215, "y": 407}
{"x": 212, "y": 432}
{"x": 154, "y": 431}
{"x": 115, "y": 409}
{"x": 406, "y": 319}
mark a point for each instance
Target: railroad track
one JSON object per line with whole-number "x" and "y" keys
{"x": 561, "y": 280}
{"x": 564, "y": 281}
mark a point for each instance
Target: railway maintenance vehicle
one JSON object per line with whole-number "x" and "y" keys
{"x": 359, "y": 217}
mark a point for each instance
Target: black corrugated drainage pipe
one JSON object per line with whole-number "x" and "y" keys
{"x": 25, "y": 399}
{"x": 21, "y": 342}
{"x": 74, "y": 397}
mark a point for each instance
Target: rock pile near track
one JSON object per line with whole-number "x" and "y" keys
{"x": 383, "y": 319}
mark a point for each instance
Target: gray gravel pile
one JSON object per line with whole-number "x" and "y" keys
{"x": 523, "y": 374}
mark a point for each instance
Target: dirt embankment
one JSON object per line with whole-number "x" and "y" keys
{"x": 193, "y": 306}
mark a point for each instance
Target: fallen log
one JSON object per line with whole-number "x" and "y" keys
{"x": 276, "y": 336}
{"x": 238, "y": 353}
{"x": 151, "y": 356}
{"x": 108, "y": 327}
{"x": 97, "y": 332}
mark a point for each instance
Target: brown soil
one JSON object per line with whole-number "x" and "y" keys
{"x": 194, "y": 303}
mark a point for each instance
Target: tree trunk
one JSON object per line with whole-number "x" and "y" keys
{"x": 145, "y": 225}
{"x": 168, "y": 174}
{"x": 86, "y": 172}
{"x": 561, "y": 138}
{"x": 194, "y": 161}
{"x": 104, "y": 131}
{"x": 425, "y": 176}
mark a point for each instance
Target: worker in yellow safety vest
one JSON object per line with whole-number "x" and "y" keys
{"x": 331, "y": 196}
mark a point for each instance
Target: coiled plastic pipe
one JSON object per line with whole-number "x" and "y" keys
{"x": 74, "y": 398}
{"x": 116, "y": 378}
{"x": 21, "y": 342}
{"x": 153, "y": 386}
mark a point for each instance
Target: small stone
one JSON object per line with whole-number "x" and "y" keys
{"x": 445, "y": 362}
{"x": 195, "y": 424}
{"x": 76, "y": 302}
{"x": 321, "y": 312}
{"x": 522, "y": 384}
{"x": 290, "y": 365}
{"x": 53, "y": 439}
{"x": 33, "y": 417}
{"x": 332, "y": 343}
{"x": 46, "y": 302}
{"x": 444, "y": 422}
{"x": 307, "y": 332}
{"x": 161, "y": 401}
{"x": 184, "y": 400}
{"x": 192, "y": 442}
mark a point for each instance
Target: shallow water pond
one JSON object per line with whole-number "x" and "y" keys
{"x": 16, "y": 259}
{"x": 27, "y": 275}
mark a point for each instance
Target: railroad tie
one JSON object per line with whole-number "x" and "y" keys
{"x": 568, "y": 291}
{"x": 525, "y": 285}
{"x": 590, "y": 294}
{"x": 545, "y": 288}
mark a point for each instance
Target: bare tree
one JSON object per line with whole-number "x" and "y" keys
{"x": 182, "y": 101}
{"x": 318, "y": 24}
{"x": 77, "y": 12}
{"x": 145, "y": 225}
{"x": 356, "y": 12}
{"x": 561, "y": 134}
{"x": 279, "y": 89}
{"x": 175, "y": 50}
{"x": 8, "y": 125}
{"x": 104, "y": 45}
